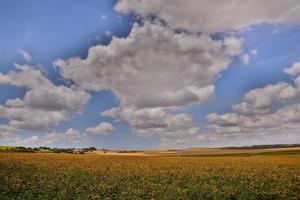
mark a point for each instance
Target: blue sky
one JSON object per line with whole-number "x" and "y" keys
{"x": 64, "y": 29}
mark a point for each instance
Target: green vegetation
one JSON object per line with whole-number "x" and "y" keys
{"x": 20, "y": 149}
{"x": 45, "y": 150}
{"x": 265, "y": 146}
{"x": 40, "y": 176}
{"x": 129, "y": 151}
{"x": 89, "y": 149}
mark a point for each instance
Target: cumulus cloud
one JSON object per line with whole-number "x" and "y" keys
{"x": 214, "y": 15}
{"x": 103, "y": 128}
{"x": 6, "y": 132}
{"x": 25, "y": 55}
{"x": 170, "y": 128}
{"x": 233, "y": 45}
{"x": 9, "y": 135}
{"x": 169, "y": 62}
{"x": 260, "y": 100}
{"x": 154, "y": 68}
{"x": 233, "y": 124}
{"x": 44, "y": 104}
{"x": 294, "y": 70}
{"x": 69, "y": 136}
{"x": 256, "y": 113}
{"x": 158, "y": 66}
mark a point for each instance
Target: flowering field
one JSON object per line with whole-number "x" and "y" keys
{"x": 69, "y": 176}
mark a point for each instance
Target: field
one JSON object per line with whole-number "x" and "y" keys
{"x": 204, "y": 152}
{"x": 94, "y": 176}
{"x": 6, "y": 147}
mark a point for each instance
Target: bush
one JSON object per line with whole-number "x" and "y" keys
{"x": 23, "y": 149}
{"x": 62, "y": 150}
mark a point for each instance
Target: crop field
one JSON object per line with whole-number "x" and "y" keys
{"x": 75, "y": 176}
{"x": 6, "y": 147}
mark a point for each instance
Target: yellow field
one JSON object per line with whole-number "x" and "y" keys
{"x": 6, "y": 147}
{"x": 199, "y": 152}
{"x": 70, "y": 176}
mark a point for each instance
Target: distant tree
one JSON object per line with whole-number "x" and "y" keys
{"x": 45, "y": 148}
{"x": 62, "y": 150}
{"x": 93, "y": 148}
{"x": 23, "y": 149}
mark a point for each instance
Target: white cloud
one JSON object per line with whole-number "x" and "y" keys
{"x": 145, "y": 122}
{"x": 6, "y": 132}
{"x": 256, "y": 113}
{"x": 233, "y": 124}
{"x": 25, "y": 55}
{"x": 234, "y": 46}
{"x": 44, "y": 104}
{"x": 108, "y": 33}
{"x": 294, "y": 70}
{"x": 245, "y": 59}
{"x": 154, "y": 68}
{"x": 103, "y": 128}
{"x": 260, "y": 100}
{"x": 28, "y": 141}
{"x": 70, "y": 136}
{"x": 214, "y": 15}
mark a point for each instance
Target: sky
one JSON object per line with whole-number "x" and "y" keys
{"x": 133, "y": 74}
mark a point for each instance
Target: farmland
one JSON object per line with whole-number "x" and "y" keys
{"x": 94, "y": 176}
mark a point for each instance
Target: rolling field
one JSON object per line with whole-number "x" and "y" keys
{"x": 6, "y": 147}
{"x": 204, "y": 152}
{"x": 92, "y": 176}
